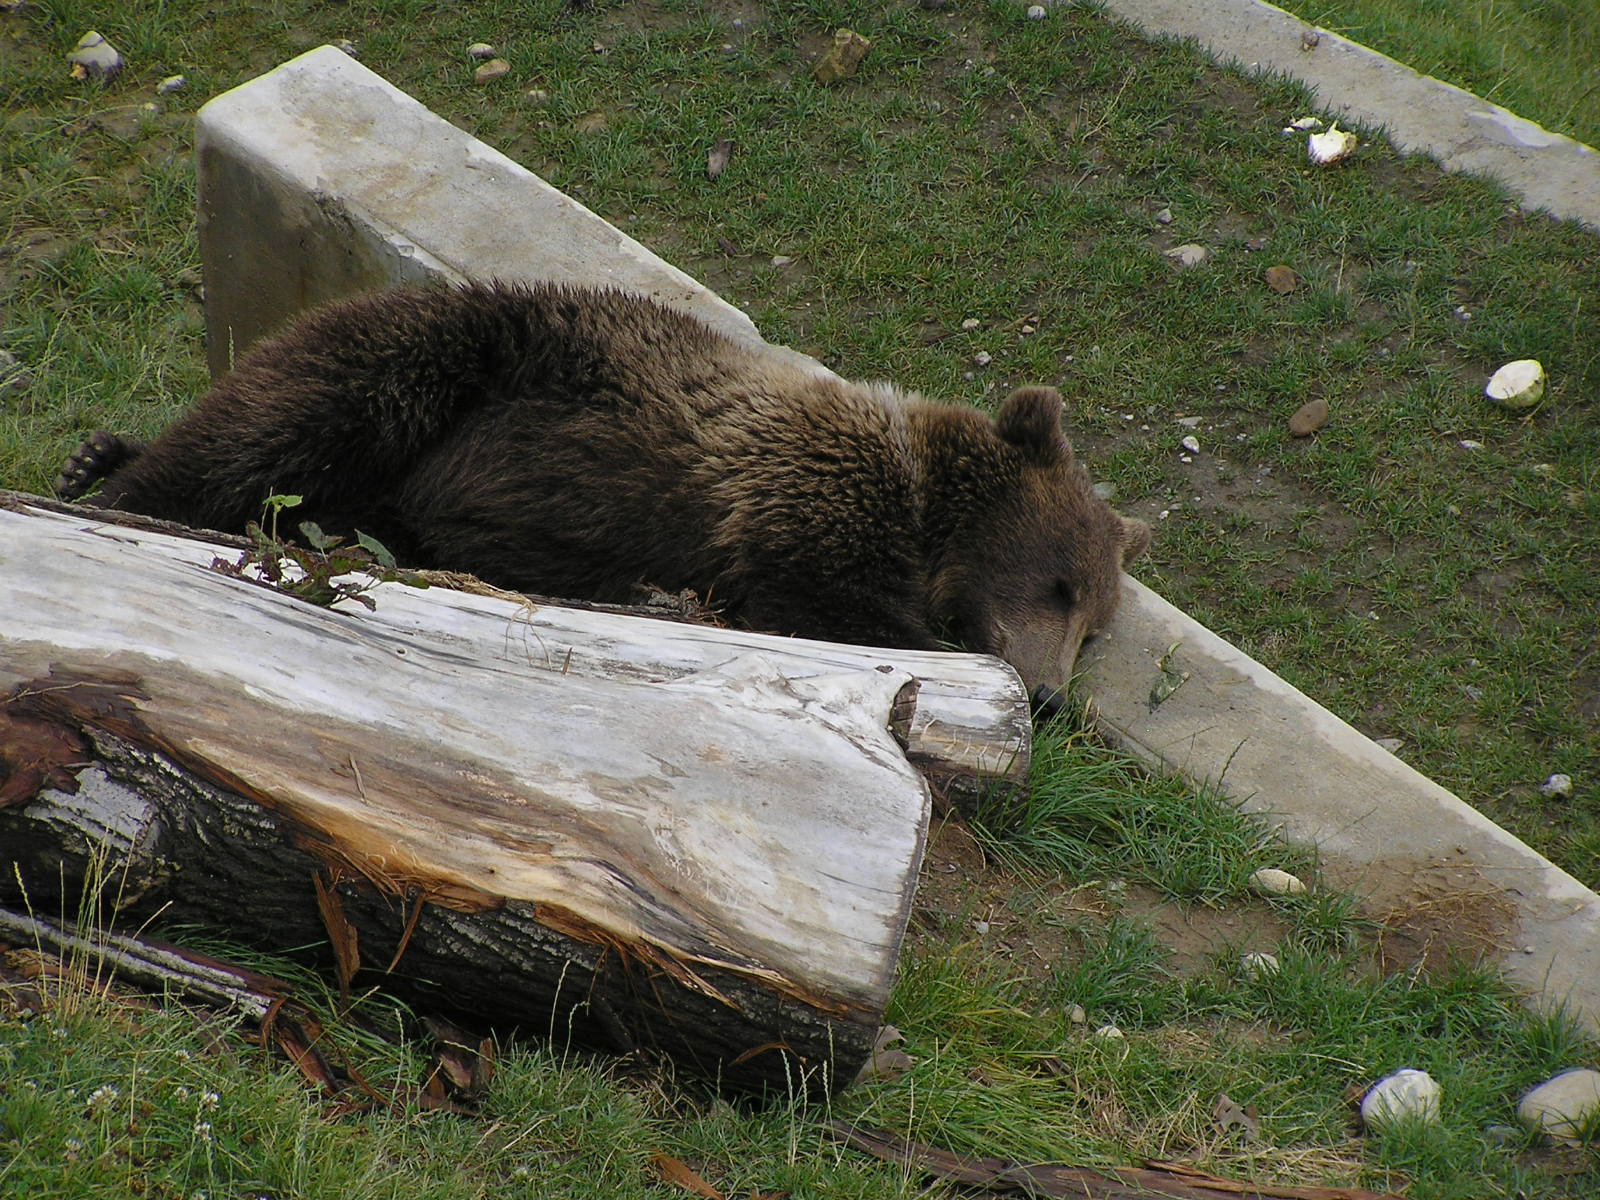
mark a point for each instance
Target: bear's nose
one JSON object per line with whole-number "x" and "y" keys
{"x": 1048, "y": 702}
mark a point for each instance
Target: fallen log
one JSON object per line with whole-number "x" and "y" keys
{"x": 545, "y": 822}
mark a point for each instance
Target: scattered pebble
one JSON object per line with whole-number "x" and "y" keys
{"x": 843, "y": 58}
{"x": 1190, "y": 443}
{"x": 1270, "y": 881}
{"x": 94, "y": 58}
{"x": 1077, "y": 1016}
{"x": 971, "y": 323}
{"x": 1557, "y": 787}
{"x": 1281, "y": 279}
{"x": 982, "y": 358}
{"x": 1406, "y": 1094}
{"x": 1310, "y": 39}
{"x": 1305, "y": 124}
{"x": 495, "y": 68}
{"x": 1186, "y": 422}
{"x": 1517, "y": 385}
{"x": 781, "y": 260}
{"x": 1308, "y": 418}
{"x": 1036, "y": 12}
{"x": 1392, "y": 745}
{"x": 536, "y": 96}
{"x": 1331, "y": 146}
{"x": 1027, "y": 330}
{"x": 170, "y": 84}
{"x": 980, "y": 927}
{"x": 1564, "y": 1106}
{"x": 1164, "y": 217}
{"x": 1469, "y": 444}
{"x": 1258, "y": 964}
{"x": 1190, "y": 254}
{"x": 480, "y": 50}
{"x": 1109, "y": 1033}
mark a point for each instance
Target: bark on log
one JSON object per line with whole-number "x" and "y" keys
{"x": 521, "y": 819}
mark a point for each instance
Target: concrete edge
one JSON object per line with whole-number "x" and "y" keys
{"x": 321, "y": 161}
{"x": 1420, "y": 113}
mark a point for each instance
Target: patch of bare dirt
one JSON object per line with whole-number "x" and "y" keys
{"x": 1414, "y": 916}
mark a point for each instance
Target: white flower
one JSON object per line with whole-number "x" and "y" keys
{"x": 208, "y": 1101}
{"x": 202, "y": 1130}
{"x": 102, "y": 1097}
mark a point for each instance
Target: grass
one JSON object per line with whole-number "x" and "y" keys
{"x": 989, "y": 167}
{"x": 1539, "y": 58}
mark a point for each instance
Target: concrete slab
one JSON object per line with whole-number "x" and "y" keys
{"x": 320, "y": 179}
{"x": 1421, "y": 113}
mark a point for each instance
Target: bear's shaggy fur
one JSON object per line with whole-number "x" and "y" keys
{"x": 576, "y": 443}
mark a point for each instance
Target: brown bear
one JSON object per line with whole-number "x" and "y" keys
{"x": 577, "y": 442}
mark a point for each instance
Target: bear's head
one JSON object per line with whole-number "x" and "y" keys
{"x": 1031, "y": 559}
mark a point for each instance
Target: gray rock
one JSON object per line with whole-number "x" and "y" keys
{"x": 94, "y": 58}
{"x": 1190, "y": 254}
{"x": 1407, "y": 1094}
{"x": 170, "y": 84}
{"x": 1565, "y": 1106}
{"x": 480, "y": 51}
{"x": 1557, "y": 787}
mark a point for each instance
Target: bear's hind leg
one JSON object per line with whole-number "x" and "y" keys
{"x": 100, "y": 455}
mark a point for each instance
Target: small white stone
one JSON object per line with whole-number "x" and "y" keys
{"x": 1469, "y": 444}
{"x": 536, "y": 96}
{"x": 480, "y": 50}
{"x": 1269, "y": 881}
{"x": 170, "y": 84}
{"x": 1108, "y": 1033}
{"x": 1330, "y": 147}
{"x": 1407, "y": 1093}
{"x": 971, "y": 323}
{"x": 1191, "y": 444}
{"x": 1190, "y": 422}
{"x": 94, "y": 57}
{"x": 1026, "y": 330}
{"x": 1305, "y": 124}
{"x": 1190, "y": 254}
{"x": 1077, "y": 1016}
{"x": 1035, "y": 12}
{"x": 982, "y": 358}
{"x": 1517, "y": 385}
{"x": 781, "y": 260}
{"x": 1391, "y": 744}
{"x": 1258, "y": 965}
{"x": 1164, "y": 216}
{"x": 1557, "y": 787}
{"x": 1565, "y": 1106}
{"x": 980, "y": 927}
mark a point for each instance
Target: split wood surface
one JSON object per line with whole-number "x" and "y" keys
{"x": 634, "y": 833}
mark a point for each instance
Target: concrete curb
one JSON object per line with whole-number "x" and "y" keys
{"x": 1421, "y": 113}
{"x": 320, "y": 178}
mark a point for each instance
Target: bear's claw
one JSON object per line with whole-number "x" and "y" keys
{"x": 97, "y": 456}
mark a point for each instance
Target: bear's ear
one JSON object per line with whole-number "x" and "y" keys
{"x": 1030, "y": 419}
{"x": 1133, "y": 539}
